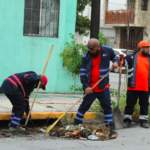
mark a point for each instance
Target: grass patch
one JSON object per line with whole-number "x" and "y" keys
{"x": 68, "y": 119}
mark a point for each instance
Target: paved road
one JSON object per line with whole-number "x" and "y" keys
{"x": 114, "y": 79}
{"x": 128, "y": 139}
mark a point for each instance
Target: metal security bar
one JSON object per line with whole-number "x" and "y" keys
{"x": 41, "y": 18}
{"x": 144, "y": 5}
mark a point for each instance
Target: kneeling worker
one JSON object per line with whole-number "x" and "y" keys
{"x": 17, "y": 88}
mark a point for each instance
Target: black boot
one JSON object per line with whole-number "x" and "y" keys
{"x": 112, "y": 131}
{"x": 144, "y": 125}
{"x": 126, "y": 123}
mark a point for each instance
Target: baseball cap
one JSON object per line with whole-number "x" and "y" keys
{"x": 143, "y": 43}
{"x": 45, "y": 80}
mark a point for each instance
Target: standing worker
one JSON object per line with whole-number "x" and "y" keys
{"x": 138, "y": 84}
{"x": 17, "y": 88}
{"x": 95, "y": 64}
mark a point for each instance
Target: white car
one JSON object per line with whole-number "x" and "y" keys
{"x": 120, "y": 51}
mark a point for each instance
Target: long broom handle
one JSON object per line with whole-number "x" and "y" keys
{"x": 92, "y": 88}
{"x": 51, "y": 126}
{"x": 38, "y": 86}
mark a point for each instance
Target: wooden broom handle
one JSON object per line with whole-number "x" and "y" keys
{"x": 92, "y": 88}
{"x": 38, "y": 85}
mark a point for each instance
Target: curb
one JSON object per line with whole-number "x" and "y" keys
{"x": 45, "y": 115}
{"x": 52, "y": 115}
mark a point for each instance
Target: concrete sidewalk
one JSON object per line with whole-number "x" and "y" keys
{"x": 43, "y": 111}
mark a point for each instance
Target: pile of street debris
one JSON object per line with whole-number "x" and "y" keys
{"x": 83, "y": 132}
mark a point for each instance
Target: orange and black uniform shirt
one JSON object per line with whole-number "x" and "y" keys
{"x": 142, "y": 74}
{"x": 95, "y": 74}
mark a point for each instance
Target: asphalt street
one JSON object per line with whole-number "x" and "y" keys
{"x": 114, "y": 79}
{"x": 135, "y": 138}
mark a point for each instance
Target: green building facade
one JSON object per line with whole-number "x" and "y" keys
{"x": 28, "y": 28}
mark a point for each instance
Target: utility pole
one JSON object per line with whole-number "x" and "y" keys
{"x": 128, "y": 28}
{"x": 95, "y": 19}
{"x": 128, "y": 34}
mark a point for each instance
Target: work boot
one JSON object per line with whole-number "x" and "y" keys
{"x": 144, "y": 125}
{"x": 17, "y": 129}
{"x": 126, "y": 123}
{"x": 77, "y": 123}
{"x": 112, "y": 131}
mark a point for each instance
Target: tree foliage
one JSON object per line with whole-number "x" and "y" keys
{"x": 81, "y": 5}
{"x": 82, "y": 22}
{"x": 103, "y": 40}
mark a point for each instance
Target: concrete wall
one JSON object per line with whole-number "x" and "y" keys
{"x": 146, "y": 16}
{"x": 20, "y": 53}
{"x": 109, "y": 32}
{"x": 140, "y": 16}
{"x": 117, "y": 38}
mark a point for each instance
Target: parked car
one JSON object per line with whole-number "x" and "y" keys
{"x": 117, "y": 52}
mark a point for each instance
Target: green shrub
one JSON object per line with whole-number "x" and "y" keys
{"x": 76, "y": 88}
{"x": 96, "y": 107}
{"x": 72, "y": 56}
{"x": 103, "y": 40}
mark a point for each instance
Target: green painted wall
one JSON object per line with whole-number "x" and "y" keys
{"x": 20, "y": 53}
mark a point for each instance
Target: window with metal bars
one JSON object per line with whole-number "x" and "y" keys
{"x": 144, "y": 5}
{"x": 132, "y": 4}
{"x": 41, "y": 18}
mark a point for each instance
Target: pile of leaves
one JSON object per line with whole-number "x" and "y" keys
{"x": 83, "y": 132}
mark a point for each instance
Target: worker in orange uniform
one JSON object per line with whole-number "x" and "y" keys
{"x": 138, "y": 84}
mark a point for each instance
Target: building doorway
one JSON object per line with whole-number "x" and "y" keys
{"x": 135, "y": 36}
